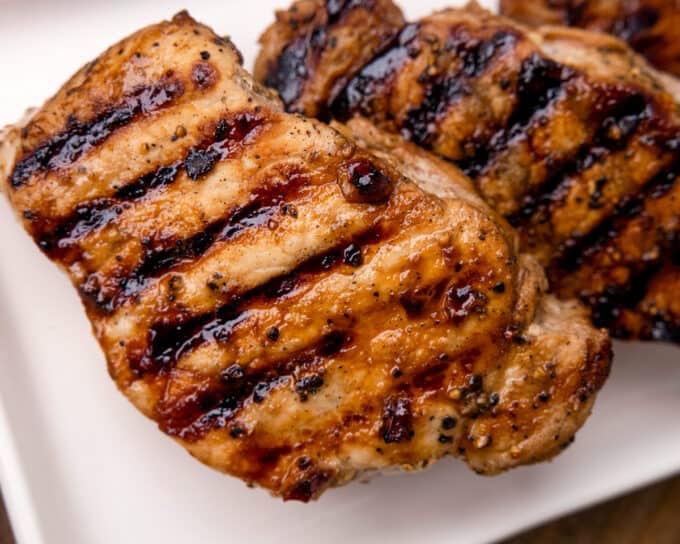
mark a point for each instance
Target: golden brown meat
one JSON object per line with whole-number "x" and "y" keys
{"x": 567, "y": 133}
{"x": 649, "y": 26}
{"x": 288, "y": 304}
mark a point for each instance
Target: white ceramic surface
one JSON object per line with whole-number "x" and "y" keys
{"x": 79, "y": 465}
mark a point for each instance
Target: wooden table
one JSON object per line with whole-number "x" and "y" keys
{"x": 650, "y": 516}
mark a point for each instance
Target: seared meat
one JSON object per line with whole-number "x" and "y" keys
{"x": 289, "y": 304}
{"x": 310, "y": 53}
{"x": 567, "y": 133}
{"x": 649, "y": 26}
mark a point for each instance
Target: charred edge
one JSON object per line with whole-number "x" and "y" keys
{"x": 474, "y": 57}
{"x": 80, "y": 137}
{"x": 236, "y": 387}
{"x": 289, "y": 74}
{"x": 539, "y": 83}
{"x": 376, "y": 76}
{"x": 621, "y": 115}
{"x": 94, "y": 215}
{"x": 168, "y": 342}
{"x": 578, "y": 249}
{"x": 308, "y": 488}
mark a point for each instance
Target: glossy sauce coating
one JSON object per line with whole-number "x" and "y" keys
{"x": 565, "y": 132}
{"x": 295, "y": 304}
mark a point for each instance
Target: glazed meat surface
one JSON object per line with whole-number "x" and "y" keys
{"x": 649, "y": 26}
{"x": 328, "y": 44}
{"x": 567, "y": 133}
{"x": 295, "y": 307}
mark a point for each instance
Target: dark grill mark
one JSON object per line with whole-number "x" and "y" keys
{"x": 352, "y": 255}
{"x": 397, "y": 420}
{"x": 98, "y": 213}
{"x": 163, "y": 176}
{"x": 169, "y": 341}
{"x": 376, "y": 76}
{"x": 309, "y": 385}
{"x": 474, "y": 56}
{"x": 265, "y": 203}
{"x": 539, "y": 83}
{"x": 91, "y": 216}
{"x": 216, "y": 404}
{"x": 620, "y": 114}
{"x": 608, "y": 305}
{"x": 199, "y": 162}
{"x": 336, "y": 8}
{"x": 289, "y": 74}
{"x": 578, "y": 249}
{"x": 631, "y": 26}
{"x": 80, "y": 137}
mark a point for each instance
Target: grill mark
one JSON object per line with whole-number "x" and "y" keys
{"x": 376, "y": 75}
{"x": 229, "y": 135}
{"x": 289, "y": 74}
{"x": 169, "y": 341}
{"x": 236, "y": 387}
{"x": 621, "y": 113}
{"x": 475, "y": 56}
{"x": 81, "y": 137}
{"x": 631, "y": 26}
{"x": 98, "y": 213}
{"x": 264, "y": 204}
{"x": 578, "y": 249}
{"x": 540, "y": 83}
{"x": 607, "y": 306}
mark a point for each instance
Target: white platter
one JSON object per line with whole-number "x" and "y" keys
{"x": 79, "y": 465}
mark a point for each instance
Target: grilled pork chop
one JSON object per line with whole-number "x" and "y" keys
{"x": 649, "y": 26}
{"x": 567, "y": 133}
{"x": 293, "y": 306}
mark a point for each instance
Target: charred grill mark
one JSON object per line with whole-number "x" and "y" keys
{"x": 289, "y": 74}
{"x": 98, "y": 213}
{"x": 540, "y": 82}
{"x": 608, "y": 306}
{"x": 216, "y": 405}
{"x": 337, "y": 8}
{"x": 81, "y": 137}
{"x": 377, "y": 75}
{"x": 621, "y": 111}
{"x": 474, "y": 57}
{"x": 264, "y": 204}
{"x": 230, "y": 135}
{"x": 631, "y": 26}
{"x": 169, "y": 341}
{"x": 578, "y": 249}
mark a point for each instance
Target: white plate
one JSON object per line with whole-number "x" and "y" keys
{"x": 79, "y": 465}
